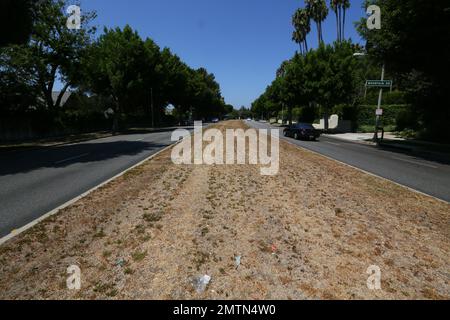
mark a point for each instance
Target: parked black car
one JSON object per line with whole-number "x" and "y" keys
{"x": 302, "y": 131}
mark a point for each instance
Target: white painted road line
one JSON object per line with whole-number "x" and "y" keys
{"x": 416, "y": 162}
{"x": 333, "y": 143}
{"x": 72, "y": 158}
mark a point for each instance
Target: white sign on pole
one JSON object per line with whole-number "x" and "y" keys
{"x": 379, "y": 112}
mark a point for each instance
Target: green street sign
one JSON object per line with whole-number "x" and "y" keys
{"x": 379, "y": 83}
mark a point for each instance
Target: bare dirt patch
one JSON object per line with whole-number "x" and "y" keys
{"x": 309, "y": 232}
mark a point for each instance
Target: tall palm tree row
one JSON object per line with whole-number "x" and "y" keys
{"x": 345, "y": 5}
{"x": 340, "y": 9}
{"x": 335, "y": 6}
{"x": 302, "y": 27}
{"x": 318, "y": 11}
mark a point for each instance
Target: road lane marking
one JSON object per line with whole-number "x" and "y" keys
{"x": 416, "y": 162}
{"x": 333, "y": 143}
{"x": 72, "y": 158}
{"x": 140, "y": 140}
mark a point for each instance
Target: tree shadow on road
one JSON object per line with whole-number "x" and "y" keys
{"x": 421, "y": 154}
{"x": 67, "y": 155}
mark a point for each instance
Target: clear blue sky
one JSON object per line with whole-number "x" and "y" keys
{"x": 242, "y": 42}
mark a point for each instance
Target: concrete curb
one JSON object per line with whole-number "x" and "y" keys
{"x": 363, "y": 142}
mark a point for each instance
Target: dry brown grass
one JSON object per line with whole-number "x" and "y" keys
{"x": 310, "y": 232}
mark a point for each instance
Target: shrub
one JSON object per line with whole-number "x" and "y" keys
{"x": 391, "y": 114}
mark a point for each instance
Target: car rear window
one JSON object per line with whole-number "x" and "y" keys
{"x": 304, "y": 126}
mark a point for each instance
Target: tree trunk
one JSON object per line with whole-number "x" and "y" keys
{"x": 343, "y": 24}
{"x": 326, "y": 121}
{"x": 290, "y": 115}
{"x": 318, "y": 31}
{"x": 48, "y": 98}
{"x": 47, "y": 88}
{"x": 61, "y": 95}
{"x": 115, "y": 126}
{"x": 337, "y": 25}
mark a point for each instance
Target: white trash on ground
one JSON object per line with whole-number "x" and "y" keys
{"x": 200, "y": 283}
{"x": 237, "y": 261}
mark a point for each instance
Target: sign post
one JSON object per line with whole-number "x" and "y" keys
{"x": 377, "y": 122}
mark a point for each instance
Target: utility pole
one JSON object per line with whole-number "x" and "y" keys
{"x": 380, "y": 97}
{"x": 151, "y": 106}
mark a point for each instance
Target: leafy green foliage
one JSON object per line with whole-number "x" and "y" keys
{"x": 302, "y": 27}
{"x": 16, "y": 21}
{"x": 52, "y": 51}
{"x": 317, "y": 11}
{"x": 118, "y": 70}
{"x": 324, "y": 77}
{"x": 414, "y": 42}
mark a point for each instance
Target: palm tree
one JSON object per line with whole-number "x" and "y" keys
{"x": 345, "y": 5}
{"x": 318, "y": 11}
{"x": 340, "y": 9}
{"x": 335, "y": 6}
{"x": 302, "y": 26}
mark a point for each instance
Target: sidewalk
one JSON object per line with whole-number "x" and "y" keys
{"x": 363, "y": 137}
{"x": 392, "y": 141}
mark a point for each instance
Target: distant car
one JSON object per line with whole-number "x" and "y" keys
{"x": 215, "y": 120}
{"x": 302, "y": 131}
{"x": 249, "y": 119}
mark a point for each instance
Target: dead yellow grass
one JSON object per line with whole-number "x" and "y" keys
{"x": 310, "y": 232}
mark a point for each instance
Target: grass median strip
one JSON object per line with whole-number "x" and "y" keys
{"x": 309, "y": 232}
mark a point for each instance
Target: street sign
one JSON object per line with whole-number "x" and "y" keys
{"x": 379, "y": 112}
{"x": 379, "y": 83}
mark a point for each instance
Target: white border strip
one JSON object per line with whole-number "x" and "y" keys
{"x": 70, "y": 202}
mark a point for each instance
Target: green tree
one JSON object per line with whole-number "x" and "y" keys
{"x": 340, "y": 8}
{"x": 175, "y": 86}
{"x": 324, "y": 78}
{"x": 53, "y": 51}
{"x": 414, "y": 43}
{"x": 16, "y": 21}
{"x": 345, "y": 5}
{"x": 116, "y": 66}
{"x": 331, "y": 76}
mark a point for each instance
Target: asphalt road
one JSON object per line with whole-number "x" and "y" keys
{"x": 430, "y": 176}
{"x": 35, "y": 182}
